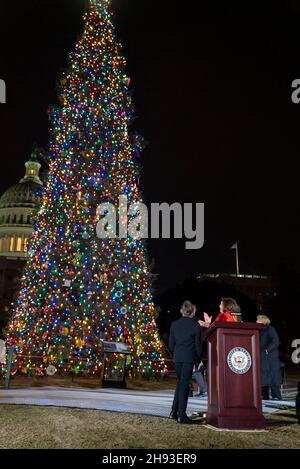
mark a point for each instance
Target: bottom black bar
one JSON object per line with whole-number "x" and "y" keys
{"x": 137, "y": 458}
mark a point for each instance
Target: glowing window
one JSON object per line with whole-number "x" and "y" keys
{"x": 19, "y": 244}
{"x": 11, "y": 244}
{"x": 1, "y": 245}
{"x": 25, "y": 244}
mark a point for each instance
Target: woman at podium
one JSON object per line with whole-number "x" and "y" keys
{"x": 229, "y": 312}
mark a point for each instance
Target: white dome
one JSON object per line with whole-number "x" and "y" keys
{"x": 17, "y": 206}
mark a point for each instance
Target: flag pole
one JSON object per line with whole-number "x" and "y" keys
{"x": 237, "y": 259}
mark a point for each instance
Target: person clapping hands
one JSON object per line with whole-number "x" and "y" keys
{"x": 229, "y": 312}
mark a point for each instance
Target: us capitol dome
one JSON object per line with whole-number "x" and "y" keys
{"x": 17, "y": 205}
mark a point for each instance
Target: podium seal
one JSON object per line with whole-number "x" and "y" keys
{"x": 239, "y": 360}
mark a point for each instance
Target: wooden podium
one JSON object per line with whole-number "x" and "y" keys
{"x": 234, "y": 383}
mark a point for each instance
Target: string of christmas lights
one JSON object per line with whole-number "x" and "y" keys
{"x": 78, "y": 289}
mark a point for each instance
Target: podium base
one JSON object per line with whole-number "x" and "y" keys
{"x": 236, "y": 423}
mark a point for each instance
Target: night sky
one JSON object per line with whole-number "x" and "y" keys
{"x": 212, "y": 89}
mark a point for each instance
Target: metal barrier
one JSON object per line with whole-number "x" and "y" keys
{"x": 9, "y": 367}
{"x": 17, "y": 363}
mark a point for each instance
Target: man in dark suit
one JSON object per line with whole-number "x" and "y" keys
{"x": 185, "y": 343}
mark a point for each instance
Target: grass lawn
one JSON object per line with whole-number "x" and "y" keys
{"x": 51, "y": 427}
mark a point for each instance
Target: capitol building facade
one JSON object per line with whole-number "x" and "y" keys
{"x": 18, "y": 205}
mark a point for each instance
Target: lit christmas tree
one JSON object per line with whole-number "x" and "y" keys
{"x": 77, "y": 288}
